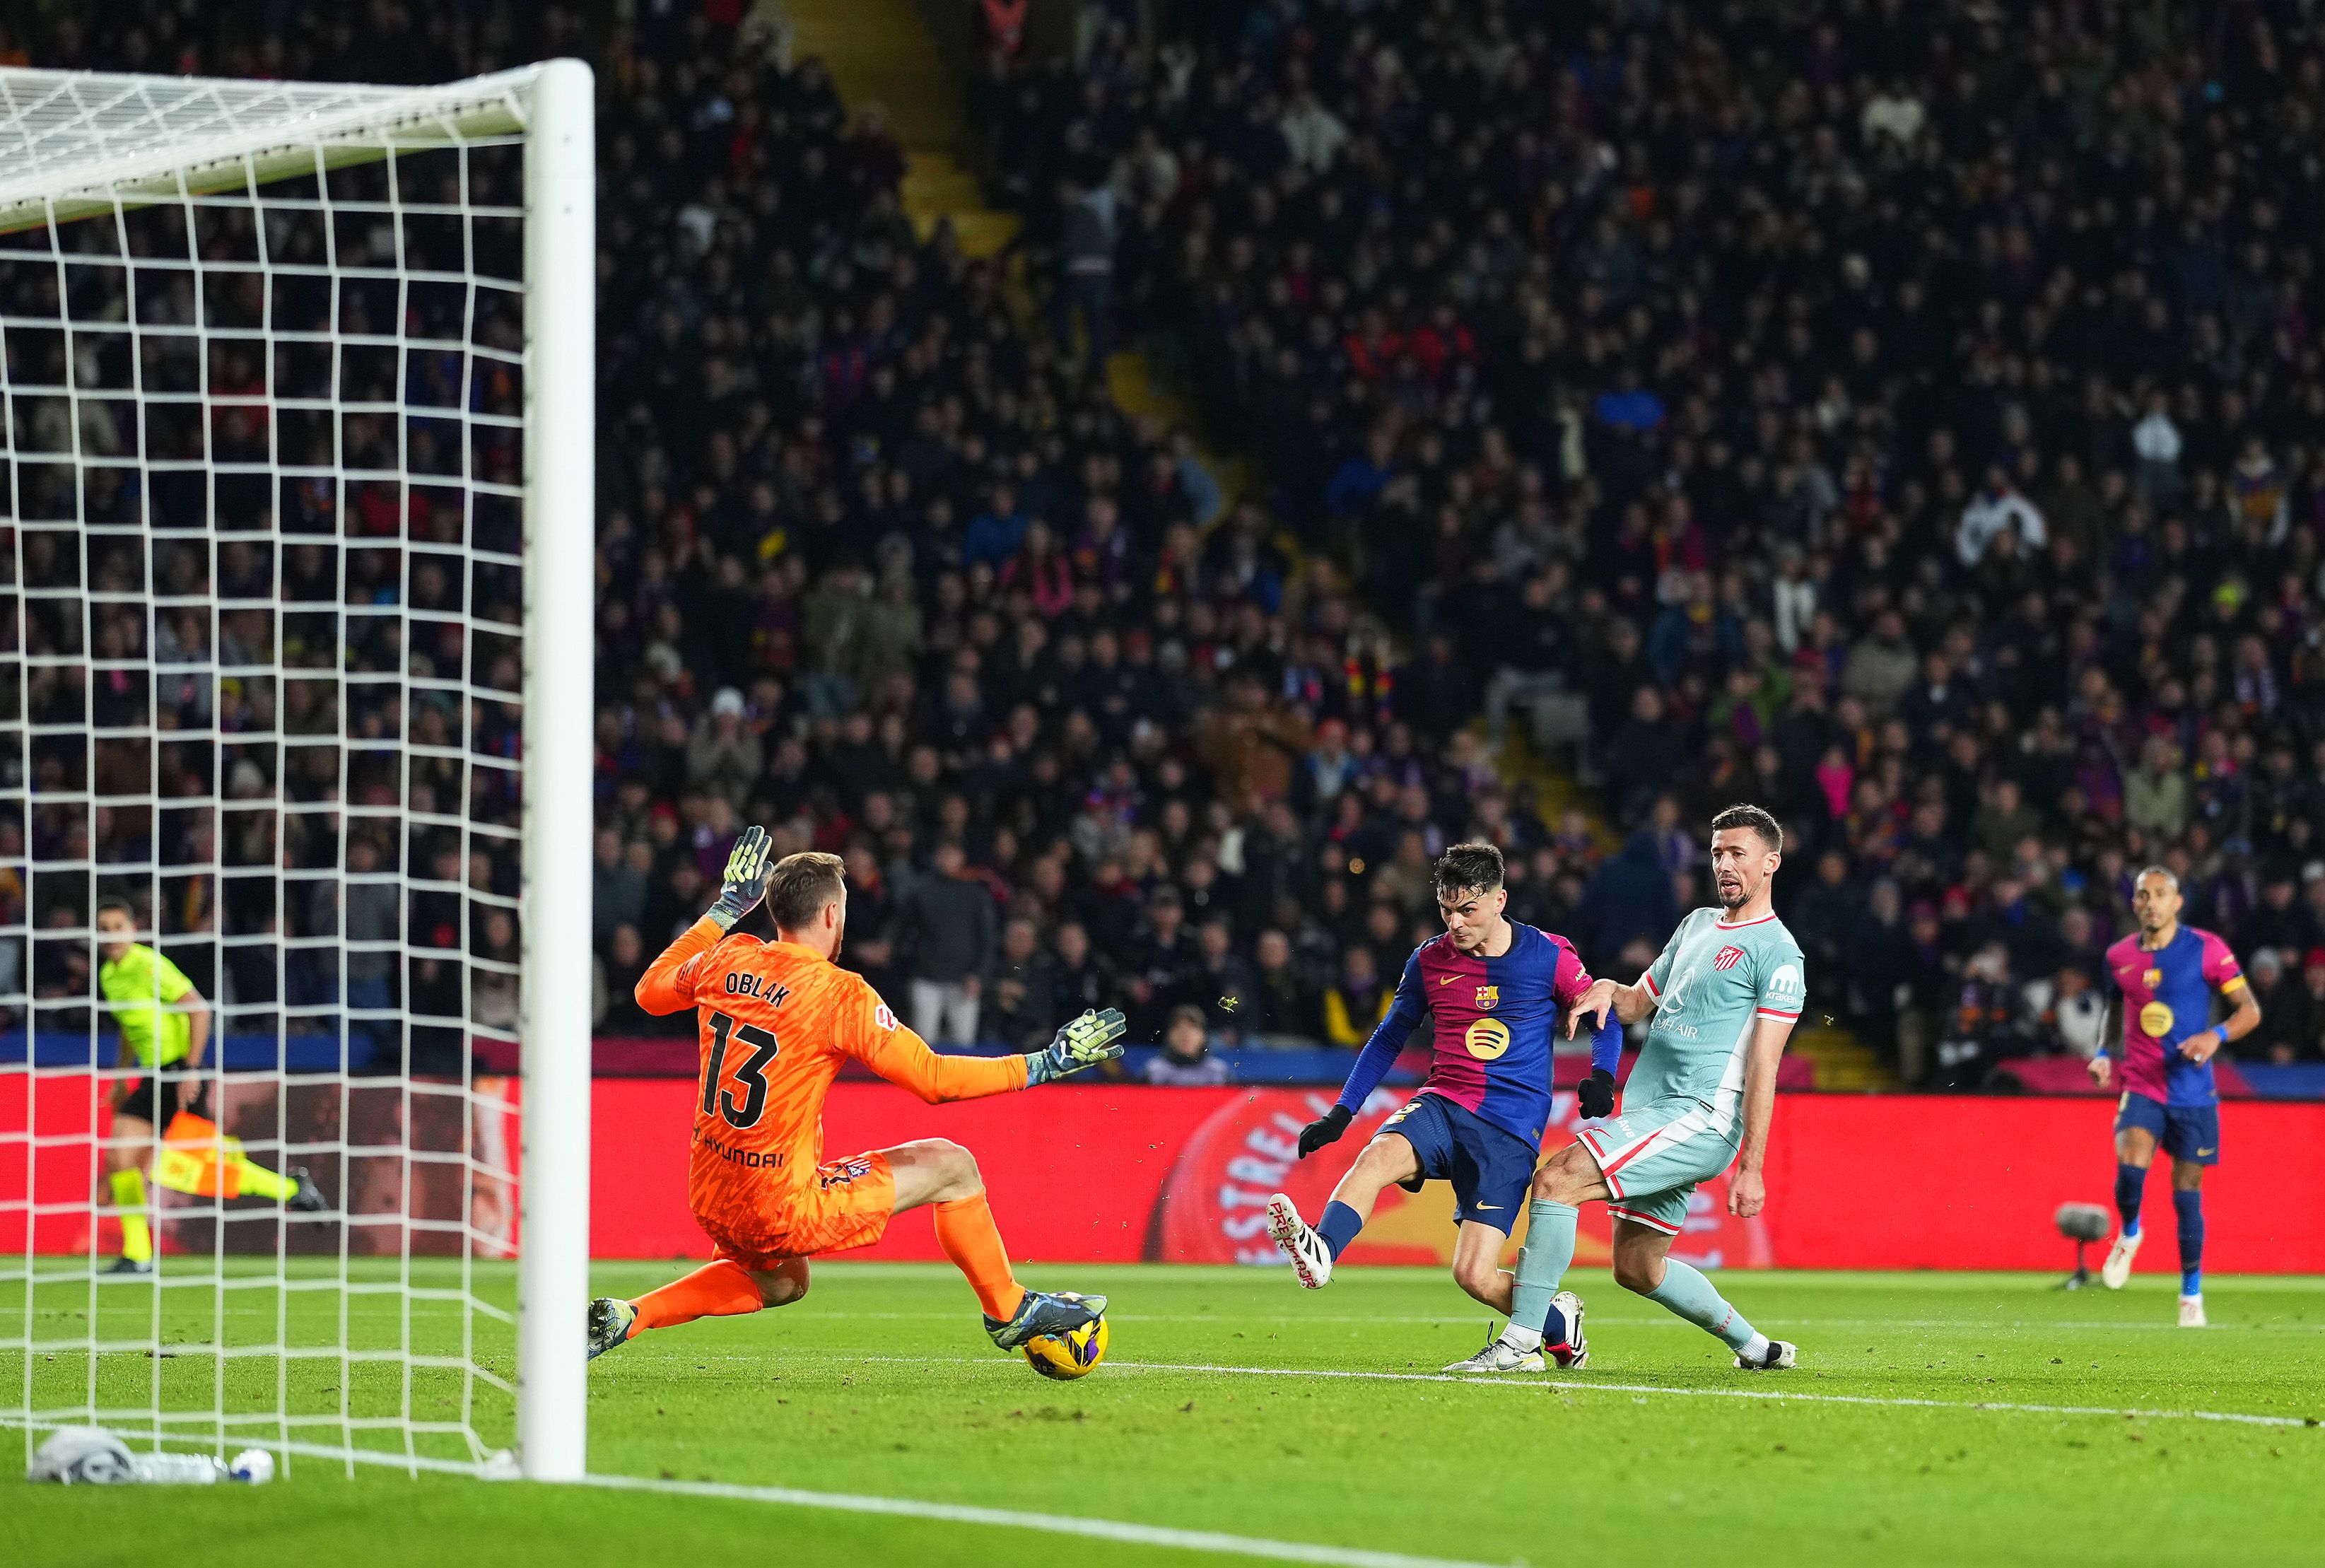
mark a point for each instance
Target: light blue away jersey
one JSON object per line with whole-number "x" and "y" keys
{"x": 1712, "y": 984}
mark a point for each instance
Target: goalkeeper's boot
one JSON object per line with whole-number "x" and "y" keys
{"x": 306, "y": 1197}
{"x": 1781, "y": 1354}
{"x": 2116, "y": 1269}
{"x": 128, "y": 1268}
{"x": 610, "y": 1318}
{"x": 1042, "y": 1312}
{"x": 1311, "y": 1260}
{"x": 1575, "y": 1353}
{"x": 1499, "y": 1356}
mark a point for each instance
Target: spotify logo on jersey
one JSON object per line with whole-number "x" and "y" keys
{"x": 1487, "y": 1038}
{"x": 2155, "y": 1018}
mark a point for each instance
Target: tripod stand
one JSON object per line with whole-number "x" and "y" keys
{"x": 2083, "y": 1224}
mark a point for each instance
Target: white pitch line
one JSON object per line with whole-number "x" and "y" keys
{"x": 1591, "y": 1386}
{"x": 1657, "y": 1321}
{"x": 1585, "y": 1385}
{"x": 1215, "y": 1542}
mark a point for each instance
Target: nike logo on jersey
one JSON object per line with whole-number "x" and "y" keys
{"x": 2201, "y": 1153}
{"x": 1481, "y": 1208}
{"x": 1445, "y": 980}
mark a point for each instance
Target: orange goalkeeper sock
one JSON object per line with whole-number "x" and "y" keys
{"x": 720, "y": 1289}
{"x": 966, "y": 1231}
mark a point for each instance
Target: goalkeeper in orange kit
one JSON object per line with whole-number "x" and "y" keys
{"x": 777, "y": 1019}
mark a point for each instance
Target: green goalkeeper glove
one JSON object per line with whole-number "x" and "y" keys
{"x": 747, "y": 878}
{"x": 1088, "y": 1040}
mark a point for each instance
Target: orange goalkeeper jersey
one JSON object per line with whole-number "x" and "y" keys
{"x": 776, "y": 1022}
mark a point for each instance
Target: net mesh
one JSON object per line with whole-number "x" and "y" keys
{"x": 261, "y": 355}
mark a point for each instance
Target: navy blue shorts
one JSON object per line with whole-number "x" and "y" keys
{"x": 2187, "y": 1132}
{"x": 1490, "y": 1169}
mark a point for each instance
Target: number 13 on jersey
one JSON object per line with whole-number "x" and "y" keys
{"x": 750, "y": 1074}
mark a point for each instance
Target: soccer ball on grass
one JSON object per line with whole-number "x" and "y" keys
{"x": 1073, "y": 1354}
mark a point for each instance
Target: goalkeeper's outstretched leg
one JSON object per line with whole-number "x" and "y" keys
{"x": 851, "y": 1205}
{"x": 719, "y": 1288}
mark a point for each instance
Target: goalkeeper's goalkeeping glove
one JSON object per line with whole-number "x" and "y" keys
{"x": 747, "y": 878}
{"x": 1596, "y": 1095}
{"x": 1088, "y": 1040}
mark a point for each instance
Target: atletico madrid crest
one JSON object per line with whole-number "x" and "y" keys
{"x": 1728, "y": 959}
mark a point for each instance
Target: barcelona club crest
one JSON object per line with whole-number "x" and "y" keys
{"x": 1488, "y": 995}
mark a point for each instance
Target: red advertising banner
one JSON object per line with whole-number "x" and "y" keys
{"x": 395, "y": 1155}
{"x": 1109, "y": 1174}
{"x": 1116, "y": 1174}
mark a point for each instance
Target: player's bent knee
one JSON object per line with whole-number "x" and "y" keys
{"x": 1636, "y": 1274}
{"x": 1478, "y": 1277}
{"x": 1568, "y": 1176}
{"x": 957, "y": 1167}
{"x": 783, "y": 1285}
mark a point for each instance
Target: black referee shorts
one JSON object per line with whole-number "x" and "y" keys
{"x": 166, "y": 1093}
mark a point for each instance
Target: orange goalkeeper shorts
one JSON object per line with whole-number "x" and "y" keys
{"x": 849, "y": 1205}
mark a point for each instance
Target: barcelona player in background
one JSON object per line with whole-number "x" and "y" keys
{"x": 2166, "y": 973}
{"x": 777, "y": 1020}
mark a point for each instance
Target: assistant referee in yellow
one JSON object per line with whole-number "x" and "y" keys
{"x": 164, "y": 1025}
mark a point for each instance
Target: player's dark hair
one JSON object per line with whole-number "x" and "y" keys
{"x": 112, "y": 901}
{"x": 800, "y": 884}
{"x": 1756, "y": 819}
{"x": 1469, "y": 868}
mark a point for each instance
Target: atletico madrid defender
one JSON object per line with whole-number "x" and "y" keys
{"x": 2166, "y": 973}
{"x": 777, "y": 1021}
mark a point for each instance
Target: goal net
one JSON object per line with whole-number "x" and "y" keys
{"x": 294, "y": 765}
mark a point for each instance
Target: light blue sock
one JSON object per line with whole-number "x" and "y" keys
{"x": 1686, "y": 1292}
{"x": 1549, "y": 1250}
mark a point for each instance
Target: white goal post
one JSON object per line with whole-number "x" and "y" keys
{"x": 297, "y": 416}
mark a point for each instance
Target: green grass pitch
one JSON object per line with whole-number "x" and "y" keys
{"x": 1225, "y": 1407}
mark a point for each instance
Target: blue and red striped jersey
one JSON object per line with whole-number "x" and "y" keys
{"x": 1493, "y": 1022}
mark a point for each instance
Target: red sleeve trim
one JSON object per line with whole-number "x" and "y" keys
{"x": 1648, "y": 980}
{"x": 1771, "y": 1013}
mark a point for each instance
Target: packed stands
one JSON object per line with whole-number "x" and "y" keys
{"x": 1918, "y": 438}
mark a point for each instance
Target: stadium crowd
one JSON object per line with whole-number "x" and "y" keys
{"x": 1904, "y": 418}
{"x": 1914, "y": 435}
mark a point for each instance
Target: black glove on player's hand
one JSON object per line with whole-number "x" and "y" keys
{"x": 1326, "y": 1129}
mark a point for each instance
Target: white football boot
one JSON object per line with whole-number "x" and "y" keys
{"x": 1781, "y": 1354}
{"x": 1576, "y": 1354}
{"x": 1500, "y": 1356}
{"x": 1311, "y": 1260}
{"x": 2191, "y": 1312}
{"x": 2116, "y": 1269}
